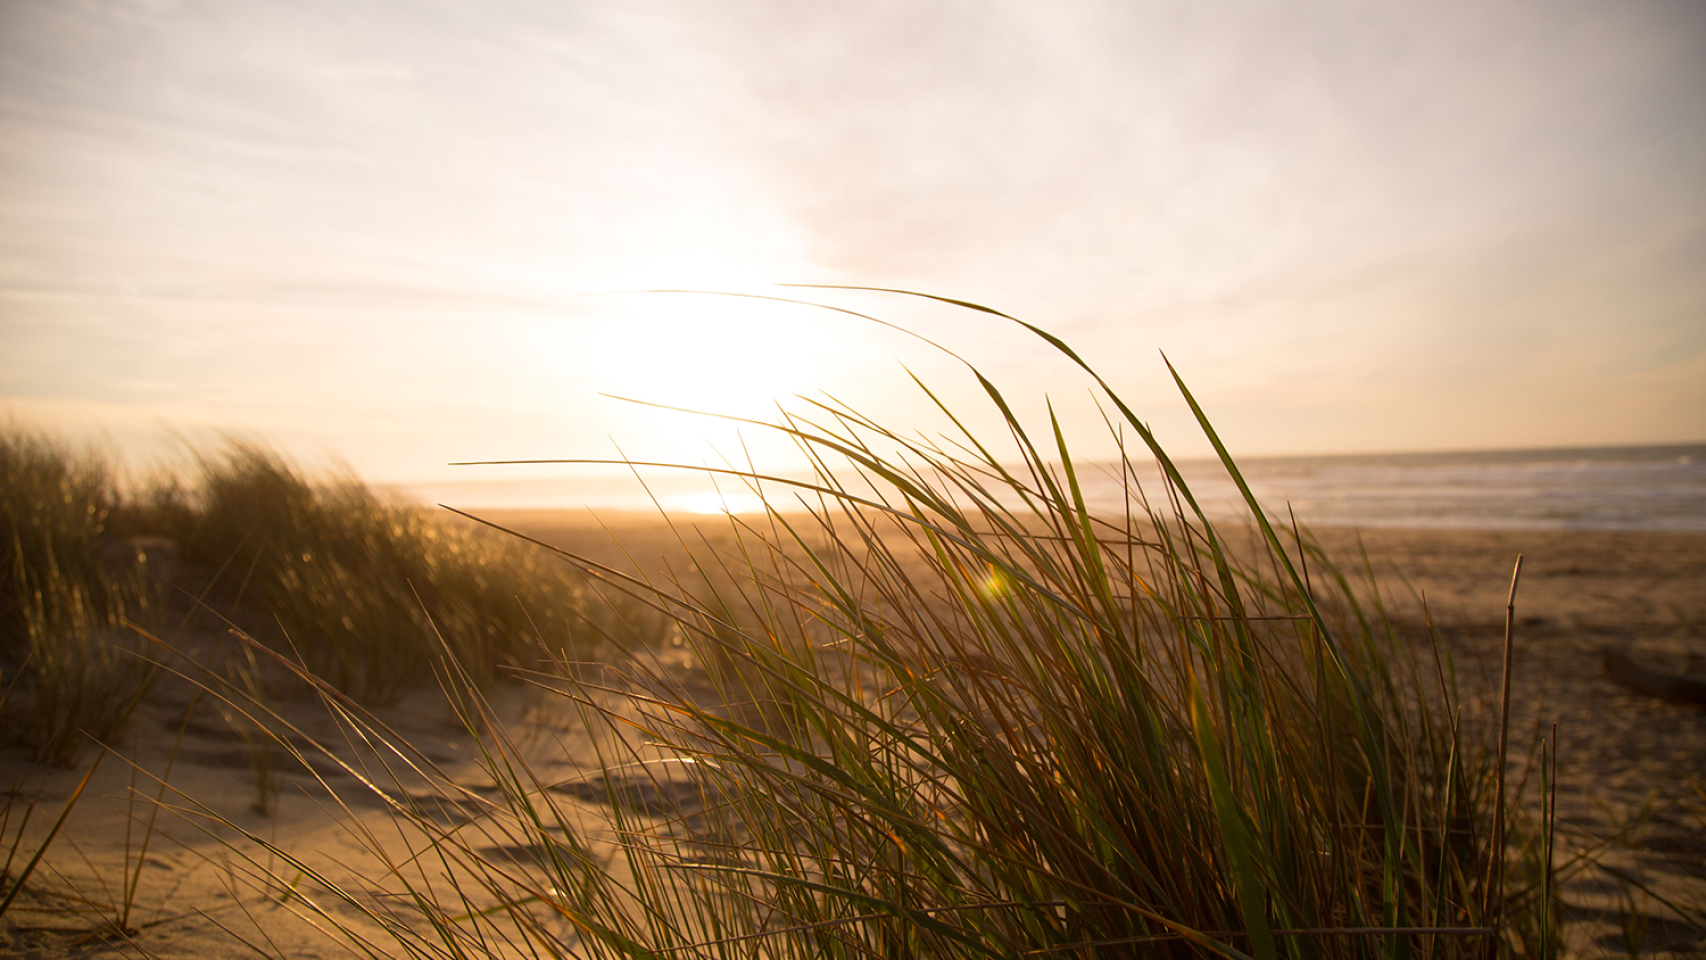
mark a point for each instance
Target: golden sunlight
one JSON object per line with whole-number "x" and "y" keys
{"x": 719, "y": 355}
{"x": 709, "y": 503}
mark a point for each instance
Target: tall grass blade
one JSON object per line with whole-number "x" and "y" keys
{"x": 47, "y": 841}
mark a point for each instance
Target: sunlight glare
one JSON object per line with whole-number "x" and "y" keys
{"x": 729, "y": 503}
{"x": 708, "y": 353}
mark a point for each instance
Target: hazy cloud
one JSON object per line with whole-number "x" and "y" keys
{"x": 1393, "y": 206}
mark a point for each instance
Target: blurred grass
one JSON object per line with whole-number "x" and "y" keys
{"x": 369, "y": 594}
{"x": 958, "y": 715}
{"x": 67, "y": 661}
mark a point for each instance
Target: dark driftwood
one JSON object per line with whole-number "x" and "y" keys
{"x": 1668, "y": 687}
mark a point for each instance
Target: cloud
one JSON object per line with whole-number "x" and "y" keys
{"x": 1373, "y": 200}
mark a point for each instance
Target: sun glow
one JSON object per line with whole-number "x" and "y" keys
{"x": 708, "y": 353}
{"x": 709, "y": 503}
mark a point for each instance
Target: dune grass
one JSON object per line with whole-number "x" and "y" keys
{"x": 959, "y": 715}
{"x": 62, "y": 603}
{"x": 368, "y": 594}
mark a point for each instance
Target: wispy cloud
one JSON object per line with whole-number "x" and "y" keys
{"x": 1314, "y": 206}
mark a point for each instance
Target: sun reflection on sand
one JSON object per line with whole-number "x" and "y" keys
{"x": 730, "y": 503}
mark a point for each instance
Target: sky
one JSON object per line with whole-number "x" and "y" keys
{"x": 409, "y": 233}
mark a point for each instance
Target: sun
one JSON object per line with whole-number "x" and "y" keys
{"x": 715, "y": 354}
{"x": 698, "y": 334}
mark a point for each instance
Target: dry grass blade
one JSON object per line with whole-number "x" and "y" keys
{"x": 52, "y": 833}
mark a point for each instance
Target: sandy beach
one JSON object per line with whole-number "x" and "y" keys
{"x": 191, "y": 894}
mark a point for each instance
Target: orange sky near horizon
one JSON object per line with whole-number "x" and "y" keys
{"x": 401, "y": 233}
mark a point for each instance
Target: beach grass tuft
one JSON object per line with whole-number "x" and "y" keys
{"x": 63, "y": 643}
{"x": 958, "y": 714}
{"x": 367, "y": 593}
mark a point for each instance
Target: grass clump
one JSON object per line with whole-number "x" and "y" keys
{"x": 63, "y": 645}
{"x": 960, "y": 715}
{"x": 369, "y": 594}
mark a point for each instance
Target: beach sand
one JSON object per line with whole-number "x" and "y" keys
{"x": 1644, "y": 593}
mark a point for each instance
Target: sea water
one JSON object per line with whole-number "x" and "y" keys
{"x": 1603, "y": 488}
{"x": 1599, "y": 488}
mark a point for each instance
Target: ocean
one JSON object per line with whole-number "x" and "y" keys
{"x": 1598, "y": 488}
